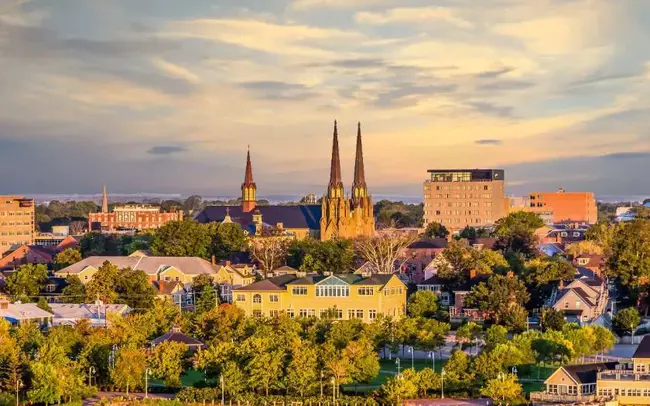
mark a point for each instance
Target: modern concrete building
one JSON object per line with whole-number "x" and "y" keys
{"x": 16, "y": 222}
{"x": 457, "y": 198}
{"x": 566, "y": 207}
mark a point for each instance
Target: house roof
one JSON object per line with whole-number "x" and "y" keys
{"x": 275, "y": 283}
{"x": 487, "y": 242}
{"x": 433, "y": 243}
{"x": 150, "y": 265}
{"x": 587, "y": 373}
{"x": 643, "y": 350}
{"x": 45, "y": 254}
{"x": 23, "y": 311}
{"x": 86, "y": 310}
{"x": 178, "y": 337}
{"x": 59, "y": 285}
{"x": 281, "y": 282}
{"x": 166, "y": 288}
{"x": 579, "y": 292}
{"x": 298, "y": 216}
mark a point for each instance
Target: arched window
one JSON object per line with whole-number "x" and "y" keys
{"x": 257, "y": 298}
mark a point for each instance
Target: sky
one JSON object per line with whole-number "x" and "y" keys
{"x": 167, "y": 95}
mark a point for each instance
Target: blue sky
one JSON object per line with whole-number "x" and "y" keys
{"x": 166, "y": 95}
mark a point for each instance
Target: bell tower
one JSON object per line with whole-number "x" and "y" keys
{"x": 248, "y": 188}
{"x": 359, "y": 187}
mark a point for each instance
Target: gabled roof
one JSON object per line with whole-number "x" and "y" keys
{"x": 275, "y": 283}
{"x": 178, "y": 337}
{"x": 150, "y": 265}
{"x": 281, "y": 282}
{"x": 488, "y": 243}
{"x": 434, "y": 243}
{"x": 16, "y": 312}
{"x": 643, "y": 350}
{"x": 579, "y": 292}
{"x": 166, "y": 288}
{"x": 587, "y": 373}
{"x": 86, "y": 310}
{"x": 299, "y": 216}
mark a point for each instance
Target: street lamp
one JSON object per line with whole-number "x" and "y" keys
{"x": 333, "y": 390}
{"x": 146, "y": 382}
{"x": 19, "y": 384}
{"x": 398, "y": 363}
{"x": 514, "y": 370}
{"x": 322, "y": 375}
{"x": 91, "y": 371}
{"x": 442, "y": 384}
{"x": 223, "y": 392}
{"x": 432, "y": 355}
{"x": 412, "y": 351}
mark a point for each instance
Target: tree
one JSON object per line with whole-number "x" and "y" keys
{"x": 542, "y": 271}
{"x": 471, "y": 233}
{"x": 26, "y": 282}
{"x": 468, "y": 332}
{"x": 234, "y": 379}
{"x": 185, "y": 238}
{"x": 129, "y": 369}
{"x": 397, "y": 388}
{"x": 584, "y": 247}
{"x": 270, "y": 252}
{"x": 436, "y": 230}
{"x": 385, "y": 252}
{"x": 66, "y": 258}
{"x": 207, "y": 299}
{"x": 515, "y": 232}
{"x": 494, "y": 336}
{"x": 552, "y": 320}
{"x": 504, "y": 389}
{"x": 226, "y": 239}
{"x": 43, "y": 305}
{"x": 364, "y": 362}
{"x": 488, "y": 365}
{"x": 503, "y": 298}
{"x": 97, "y": 243}
{"x": 74, "y": 291}
{"x": 166, "y": 362}
{"x": 630, "y": 254}
{"x": 627, "y": 320}
{"x": 422, "y": 304}
{"x": 457, "y": 368}
{"x": 103, "y": 283}
{"x": 602, "y": 233}
{"x": 428, "y": 380}
{"x": 429, "y": 334}
{"x": 302, "y": 369}
{"x": 321, "y": 256}
{"x": 134, "y": 289}
{"x": 605, "y": 339}
{"x": 192, "y": 204}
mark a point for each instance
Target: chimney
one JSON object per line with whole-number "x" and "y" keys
{"x": 214, "y": 260}
{"x": 472, "y": 274}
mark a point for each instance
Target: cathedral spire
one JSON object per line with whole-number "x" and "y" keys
{"x": 248, "y": 188}
{"x": 335, "y": 187}
{"x": 359, "y": 187}
{"x": 104, "y": 201}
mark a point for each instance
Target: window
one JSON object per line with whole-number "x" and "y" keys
{"x": 291, "y": 313}
{"x": 576, "y": 234}
{"x": 274, "y": 313}
{"x": 564, "y": 234}
{"x": 257, "y": 298}
{"x": 273, "y": 298}
{"x": 359, "y": 314}
{"x": 300, "y": 291}
{"x": 50, "y": 288}
{"x": 241, "y": 298}
{"x": 303, "y": 313}
{"x": 257, "y": 313}
{"x": 366, "y": 291}
{"x": 372, "y": 314}
{"x": 583, "y": 261}
{"x": 332, "y": 291}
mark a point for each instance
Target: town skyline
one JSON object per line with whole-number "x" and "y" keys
{"x": 167, "y": 98}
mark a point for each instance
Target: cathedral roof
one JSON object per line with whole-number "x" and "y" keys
{"x": 299, "y": 216}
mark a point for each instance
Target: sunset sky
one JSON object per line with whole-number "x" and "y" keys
{"x": 165, "y": 95}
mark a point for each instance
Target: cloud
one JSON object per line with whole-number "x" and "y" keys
{"x": 412, "y": 15}
{"x": 166, "y": 150}
{"x": 627, "y": 155}
{"x": 275, "y": 90}
{"x": 488, "y": 141}
{"x": 307, "y": 4}
{"x": 176, "y": 71}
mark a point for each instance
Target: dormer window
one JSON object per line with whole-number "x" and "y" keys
{"x": 564, "y": 234}
{"x": 583, "y": 261}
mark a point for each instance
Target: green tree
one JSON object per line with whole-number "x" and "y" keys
{"x": 515, "y": 232}
{"x": 397, "y": 388}
{"x": 321, "y": 256}
{"x": 302, "y": 369}
{"x": 488, "y": 365}
{"x": 74, "y": 291}
{"x": 185, "y": 238}
{"x": 504, "y": 389}
{"x": 552, "y": 320}
{"x": 469, "y": 333}
{"x": 130, "y": 366}
{"x": 166, "y": 362}
{"x": 26, "y": 282}
{"x": 605, "y": 339}
{"x": 503, "y": 298}
{"x": 630, "y": 254}
{"x": 428, "y": 380}
{"x": 134, "y": 289}
{"x": 602, "y": 233}
{"x": 66, "y": 258}
{"x": 457, "y": 369}
{"x": 43, "y": 305}
{"x": 627, "y": 320}
{"x": 364, "y": 362}
{"x": 206, "y": 300}
{"x": 542, "y": 271}
{"x": 234, "y": 379}
{"x": 96, "y": 243}
{"x": 471, "y": 233}
{"x": 494, "y": 336}
{"x": 226, "y": 239}
{"x": 436, "y": 230}
{"x": 103, "y": 284}
{"x": 422, "y": 304}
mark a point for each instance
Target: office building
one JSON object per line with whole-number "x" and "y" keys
{"x": 566, "y": 207}
{"x": 457, "y": 198}
{"x": 16, "y": 222}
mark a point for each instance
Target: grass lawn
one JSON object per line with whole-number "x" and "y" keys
{"x": 189, "y": 378}
{"x": 532, "y": 387}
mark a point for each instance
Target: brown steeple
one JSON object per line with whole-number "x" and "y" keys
{"x": 335, "y": 187}
{"x": 248, "y": 188}
{"x": 104, "y": 201}
{"x": 359, "y": 171}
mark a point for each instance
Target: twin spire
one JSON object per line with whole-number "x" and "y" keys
{"x": 335, "y": 186}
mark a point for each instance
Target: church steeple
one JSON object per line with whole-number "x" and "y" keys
{"x": 359, "y": 187}
{"x": 104, "y": 201}
{"x": 248, "y": 188}
{"x": 335, "y": 186}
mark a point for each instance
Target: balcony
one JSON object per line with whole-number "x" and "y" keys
{"x": 554, "y": 398}
{"x": 623, "y": 375}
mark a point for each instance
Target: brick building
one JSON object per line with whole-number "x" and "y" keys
{"x": 576, "y": 207}
{"x": 16, "y": 222}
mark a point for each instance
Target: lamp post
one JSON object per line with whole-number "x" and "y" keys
{"x": 514, "y": 371}
{"x": 412, "y": 351}
{"x": 91, "y": 371}
{"x": 442, "y": 384}
{"x": 399, "y": 365}
{"x": 223, "y": 392}
{"x": 322, "y": 375}
{"x": 432, "y": 355}
{"x": 333, "y": 390}
{"x": 19, "y": 384}
{"x": 146, "y": 382}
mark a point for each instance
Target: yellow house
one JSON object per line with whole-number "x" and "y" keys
{"x": 342, "y": 297}
{"x": 230, "y": 277}
{"x": 629, "y": 382}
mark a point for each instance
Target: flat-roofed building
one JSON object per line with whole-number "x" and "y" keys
{"x": 16, "y": 222}
{"x": 566, "y": 207}
{"x": 457, "y": 198}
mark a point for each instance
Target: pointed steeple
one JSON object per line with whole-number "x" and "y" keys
{"x": 359, "y": 187}
{"x": 335, "y": 186}
{"x": 248, "y": 188}
{"x": 104, "y": 201}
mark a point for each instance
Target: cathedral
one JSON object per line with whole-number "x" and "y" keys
{"x": 337, "y": 216}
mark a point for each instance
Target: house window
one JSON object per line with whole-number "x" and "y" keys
{"x": 366, "y": 291}
{"x": 257, "y": 313}
{"x": 583, "y": 261}
{"x": 274, "y": 313}
{"x": 302, "y": 313}
{"x": 177, "y": 279}
{"x": 300, "y": 291}
{"x": 291, "y": 313}
{"x": 241, "y": 298}
{"x": 576, "y": 234}
{"x": 273, "y": 298}
{"x": 332, "y": 291}
{"x": 564, "y": 234}
{"x": 372, "y": 314}
{"x": 166, "y": 278}
{"x": 359, "y": 314}
{"x": 50, "y": 288}
{"x": 566, "y": 305}
{"x": 257, "y": 298}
